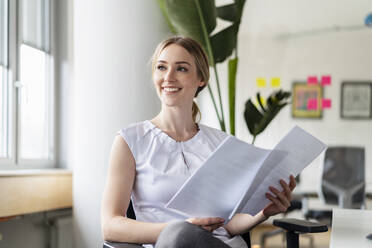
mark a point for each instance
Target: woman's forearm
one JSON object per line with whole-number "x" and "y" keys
{"x": 242, "y": 223}
{"x": 121, "y": 229}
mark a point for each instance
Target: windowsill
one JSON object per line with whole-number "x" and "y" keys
{"x": 34, "y": 172}
{"x": 34, "y": 190}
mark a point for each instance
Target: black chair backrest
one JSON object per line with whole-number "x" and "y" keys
{"x": 130, "y": 211}
{"x": 344, "y": 169}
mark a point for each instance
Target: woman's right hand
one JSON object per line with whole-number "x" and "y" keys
{"x": 209, "y": 224}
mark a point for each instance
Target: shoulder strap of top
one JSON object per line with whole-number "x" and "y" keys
{"x": 213, "y": 133}
{"x": 134, "y": 133}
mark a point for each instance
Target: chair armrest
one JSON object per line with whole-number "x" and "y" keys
{"x": 301, "y": 226}
{"x": 107, "y": 244}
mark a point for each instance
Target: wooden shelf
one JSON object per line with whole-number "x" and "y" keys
{"x": 30, "y": 191}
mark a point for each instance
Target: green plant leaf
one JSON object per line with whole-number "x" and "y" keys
{"x": 267, "y": 118}
{"x": 163, "y": 8}
{"x": 256, "y": 120}
{"x": 223, "y": 43}
{"x": 240, "y": 6}
{"x": 231, "y": 12}
{"x": 184, "y": 17}
{"x": 233, "y": 66}
{"x": 251, "y": 116}
{"x": 228, "y": 12}
{"x": 259, "y": 100}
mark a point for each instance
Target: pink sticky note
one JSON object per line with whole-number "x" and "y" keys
{"x": 326, "y": 103}
{"x": 326, "y": 80}
{"x": 312, "y": 104}
{"x": 312, "y": 80}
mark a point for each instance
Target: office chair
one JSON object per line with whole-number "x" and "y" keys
{"x": 296, "y": 204}
{"x": 292, "y": 226}
{"x": 343, "y": 181}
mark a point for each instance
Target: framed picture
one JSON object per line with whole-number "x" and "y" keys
{"x": 306, "y": 100}
{"x": 356, "y": 100}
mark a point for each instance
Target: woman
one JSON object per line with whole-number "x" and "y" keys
{"x": 150, "y": 161}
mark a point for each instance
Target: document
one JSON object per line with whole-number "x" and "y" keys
{"x": 236, "y": 176}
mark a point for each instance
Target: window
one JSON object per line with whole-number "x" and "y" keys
{"x": 4, "y": 130}
{"x": 27, "y": 85}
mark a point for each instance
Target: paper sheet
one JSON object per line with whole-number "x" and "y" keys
{"x": 237, "y": 175}
{"x": 301, "y": 148}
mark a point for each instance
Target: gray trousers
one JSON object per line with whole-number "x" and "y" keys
{"x": 182, "y": 234}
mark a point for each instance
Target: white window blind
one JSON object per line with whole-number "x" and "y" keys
{"x": 35, "y": 21}
{"x": 36, "y": 89}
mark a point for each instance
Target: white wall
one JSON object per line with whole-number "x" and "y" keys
{"x": 64, "y": 81}
{"x": 113, "y": 42}
{"x": 346, "y": 55}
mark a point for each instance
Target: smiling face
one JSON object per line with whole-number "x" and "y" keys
{"x": 176, "y": 77}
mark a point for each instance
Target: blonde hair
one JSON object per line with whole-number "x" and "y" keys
{"x": 201, "y": 62}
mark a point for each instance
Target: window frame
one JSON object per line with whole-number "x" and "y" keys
{"x": 10, "y": 161}
{"x": 13, "y": 76}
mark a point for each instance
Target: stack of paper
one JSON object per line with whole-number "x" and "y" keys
{"x": 236, "y": 176}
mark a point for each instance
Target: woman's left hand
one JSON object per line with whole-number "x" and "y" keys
{"x": 282, "y": 199}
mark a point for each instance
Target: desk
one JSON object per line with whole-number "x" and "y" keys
{"x": 350, "y": 228}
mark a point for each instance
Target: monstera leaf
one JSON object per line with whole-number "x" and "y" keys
{"x": 258, "y": 119}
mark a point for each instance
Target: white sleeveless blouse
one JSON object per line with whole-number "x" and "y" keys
{"x": 163, "y": 165}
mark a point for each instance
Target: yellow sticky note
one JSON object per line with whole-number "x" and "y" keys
{"x": 275, "y": 82}
{"x": 261, "y": 82}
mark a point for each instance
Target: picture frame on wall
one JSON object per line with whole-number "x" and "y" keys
{"x": 306, "y": 100}
{"x": 356, "y": 100}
